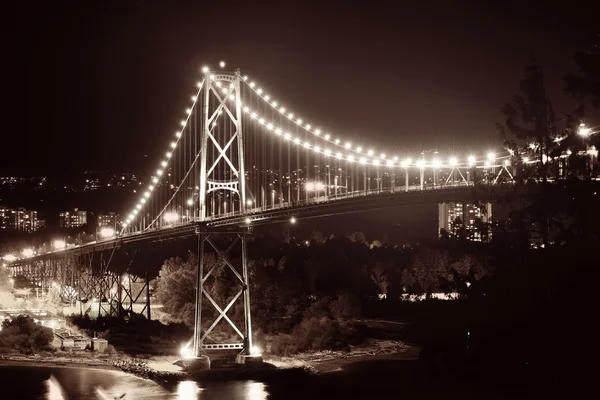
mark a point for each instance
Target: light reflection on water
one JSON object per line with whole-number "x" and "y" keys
{"x": 55, "y": 383}
{"x": 188, "y": 390}
{"x": 232, "y": 390}
{"x": 54, "y": 389}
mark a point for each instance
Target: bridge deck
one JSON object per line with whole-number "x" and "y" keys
{"x": 315, "y": 207}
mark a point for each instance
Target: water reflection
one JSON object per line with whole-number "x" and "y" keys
{"x": 53, "y": 389}
{"x": 51, "y": 383}
{"x": 257, "y": 391}
{"x": 187, "y": 390}
{"x": 233, "y": 390}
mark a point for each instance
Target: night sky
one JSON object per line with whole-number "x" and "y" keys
{"x": 103, "y": 84}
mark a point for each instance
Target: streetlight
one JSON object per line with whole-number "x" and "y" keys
{"x": 423, "y": 165}
{"x": 106, "y": 232}
{"x": 436, "y": 164}
{"x": 170, "y": 217}
{"x": 583, "y": 131}
{"x": 405, "y": 165}
{"x": 293, "y": 220}
{"x": 491, "y": 156}
{"x": 27, "y": 253}
{"x": 9, "y": 257}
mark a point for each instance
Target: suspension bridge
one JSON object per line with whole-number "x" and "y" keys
{"x": 241, "y": 157}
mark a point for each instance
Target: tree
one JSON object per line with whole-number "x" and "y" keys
{"x": 430, "y": 269}
{"x": 469, "y": 268}
{"x": 585, "y": 85}
{"x": 375, "y": 244}
{"x": 358, "y": 237}
{"x": 482, "y": 229}
{"x": 177, "y": 281}
{"x": 380, "y": 276}
{"x": 4, "y": 279}
{"x": 23, "y": 334}
{"x": 530, "y": 122}
{"x": 176, "y": 288}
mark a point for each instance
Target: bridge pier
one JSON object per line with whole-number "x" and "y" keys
{"x": 217, "y": 255}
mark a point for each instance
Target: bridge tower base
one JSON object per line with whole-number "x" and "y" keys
{"x": 218, "y": 251}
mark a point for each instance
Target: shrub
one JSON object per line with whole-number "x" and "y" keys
{"x": 110, "y": 350}
{"x": 23, "y": 334}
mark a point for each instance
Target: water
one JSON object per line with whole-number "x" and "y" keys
{"x": 381, "y": 380}
{"x": 54, "y": 383}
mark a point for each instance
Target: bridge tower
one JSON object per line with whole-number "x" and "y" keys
{"x": 222, "y": 171}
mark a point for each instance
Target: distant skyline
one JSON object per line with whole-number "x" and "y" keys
{"x": 103, "y": 84}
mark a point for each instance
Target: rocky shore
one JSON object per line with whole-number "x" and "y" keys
{"x": 164, "y": 369}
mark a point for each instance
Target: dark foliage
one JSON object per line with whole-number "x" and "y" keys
{"x": 24, "y": 335}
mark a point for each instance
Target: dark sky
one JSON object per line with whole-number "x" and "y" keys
{"x": 102, "y": 84}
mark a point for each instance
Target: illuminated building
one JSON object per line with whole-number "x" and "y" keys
{"x": 468, "y": 220}
{"x": 72, "y": 219}
{"x": 108, "y": 220}
{"x": 18, "y": 219}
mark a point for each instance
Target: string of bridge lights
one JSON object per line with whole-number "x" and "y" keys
{"x": 359, "y": 153}
{"x": 165, "y": 162}
{"x": 352, "y": 153}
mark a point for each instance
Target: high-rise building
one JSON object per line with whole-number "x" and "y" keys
{"x": 109, "y": 220}
{"x": 72, "y": 219}
{"x": 464, "y": 219}
{"x": 18, "y": 219}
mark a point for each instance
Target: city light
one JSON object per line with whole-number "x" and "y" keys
{"x": 222, "y": 64}
{"x": 506, "y": 163}
{"x": 205, "y": 70}
{"x": 436, "y": 163}
{"x": 293, "y": 220}
{"x": 186, "y": 351}
{"x": 491, "y": 156}
{"x": 106, "y": 232}
{"x": 27, "y": 253}
{"x": 406, "y": 163}
{"x": 420, "y": 163}
{"x": 9, "y": 257}
{"x": 190, "y": 202}
{"x": 171, "y": 217}
{"x": 256, "y": 350}
{"x": 248, "y": 202}
{"x": 248, "y": 220}
{"x": 471, "y": 160}
{"x": 453, "y": 161}
{"x": 59, "y": 244}
{"x": 583, "y": 131}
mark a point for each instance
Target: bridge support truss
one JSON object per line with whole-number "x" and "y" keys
{"x": 225, "y": 249}
{"x": 91, "y": 283}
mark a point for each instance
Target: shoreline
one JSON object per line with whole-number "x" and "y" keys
{"x": 30, "y": 362}
{"x": 316, "y": 363}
